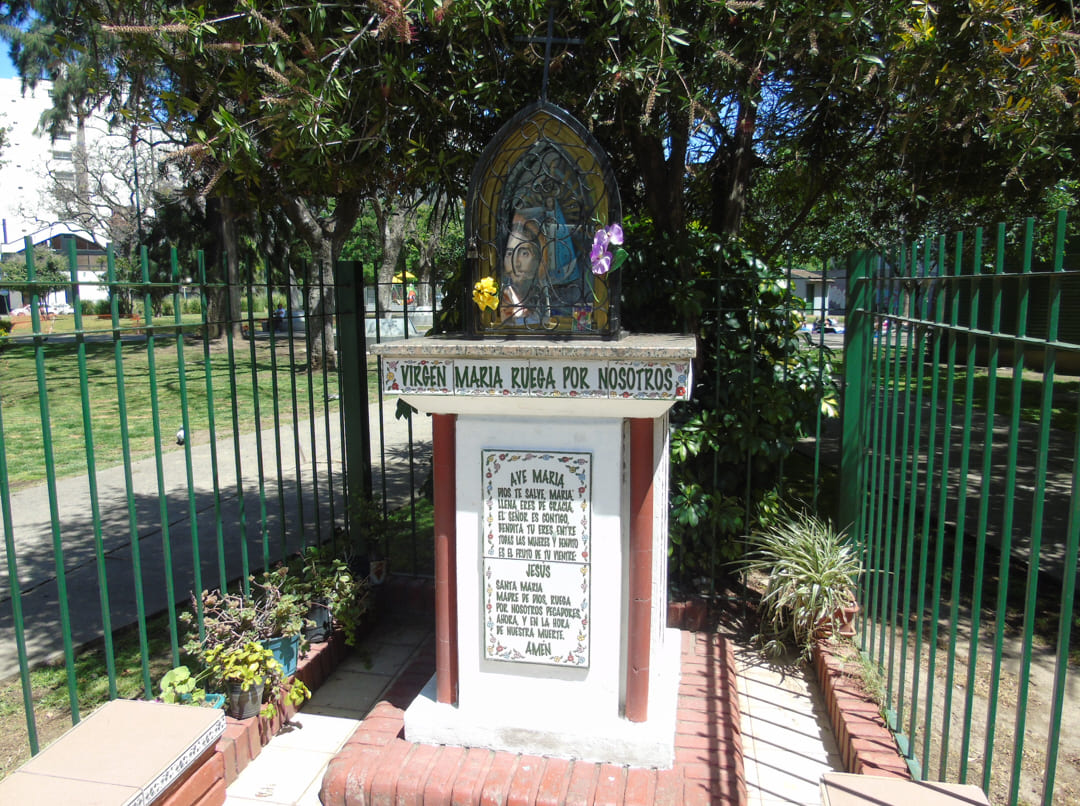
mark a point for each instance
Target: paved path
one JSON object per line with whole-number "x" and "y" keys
{"x": 302, "y": 456}
{"x": 1057, "y": 490}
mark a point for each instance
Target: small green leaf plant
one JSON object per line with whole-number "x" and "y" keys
{"x": 320, "y": 578}
{"x": 180, "y": 686}
{"x": 251, "y": 665}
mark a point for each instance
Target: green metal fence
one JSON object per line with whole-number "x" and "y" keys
{"x": 960, "y": 480}
{"x": 174, "y": 438}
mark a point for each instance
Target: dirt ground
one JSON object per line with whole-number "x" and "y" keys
{"x": 14, "y": 745}
{"x": 1037, "y": 716}
{"x": 945, "y": 764}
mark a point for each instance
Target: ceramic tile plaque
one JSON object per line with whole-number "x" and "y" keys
{"x": 639, "y": 380}
{"x": 536, "y": 522}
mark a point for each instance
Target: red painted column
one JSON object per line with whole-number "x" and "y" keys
{"x": 444, "y": 458}
{"x": 639, "y": 638}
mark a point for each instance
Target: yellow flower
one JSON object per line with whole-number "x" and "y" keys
{"x": 486, "y": 294}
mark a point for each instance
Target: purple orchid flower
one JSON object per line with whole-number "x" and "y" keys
{"x": 599, "y": 256}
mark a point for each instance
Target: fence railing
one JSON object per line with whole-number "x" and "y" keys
{"x": 183, "y": 445}
{"x": 960, "y": 479}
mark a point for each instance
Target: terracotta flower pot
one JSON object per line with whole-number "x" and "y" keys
{"x": 845, "y": 620}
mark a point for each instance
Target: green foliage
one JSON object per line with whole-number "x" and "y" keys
{"x": 231, "y": 619}
{"x": 758, "y": 385}
{"x": 248, "y": 664}
{"x": 234, "y": 626}
{"x": 810, "y": 572}
{"x": 179, "y": 685}
{"x": 320, "y": 578}
{"x": 51, "y": 272}
{"x": 5, "y": 331}
{"x": 251, "y": 665}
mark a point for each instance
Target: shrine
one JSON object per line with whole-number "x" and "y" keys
{"x": 550, "y": 440}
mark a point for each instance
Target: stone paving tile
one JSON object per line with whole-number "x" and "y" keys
{"x": 278, "y": 776}
{"x": 349, "y": 695}
{"x": 787, "y": 739}
{"x": 312, "y": 731}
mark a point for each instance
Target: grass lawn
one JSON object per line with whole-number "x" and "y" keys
{"x": 1064, "y": 404}
{"x": 147, "y": 378}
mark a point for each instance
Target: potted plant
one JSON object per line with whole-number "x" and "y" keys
{"x": 810, "y": 571}
{"x": 365, "y": 555}
{"x": 326, "y": 584}
{"x": 250, "y": 675}
{"x": 179, "y": 686}
{"x": 282, "y": 613}
{"x": 272, "y": 615}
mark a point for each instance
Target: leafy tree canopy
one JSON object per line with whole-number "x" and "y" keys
{"x": 753, "y": 116}
{"x": 51, "y": 273}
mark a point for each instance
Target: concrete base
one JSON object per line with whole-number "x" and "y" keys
{"x": 534, "y": 726}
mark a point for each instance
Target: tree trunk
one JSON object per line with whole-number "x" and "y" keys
{"x": 734, "y": 199}
{"x": 394, "y": 225}
{"x": 425, "y": 268}
{"x": 232, "y": 267}
{"x": 320, "y": 310}
{"x": 325, "y": 236}
{"x": 79, "y": 161}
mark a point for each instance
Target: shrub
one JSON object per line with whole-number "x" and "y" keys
{"x": 757, "y": 385}
{"x": 810, "y": 573}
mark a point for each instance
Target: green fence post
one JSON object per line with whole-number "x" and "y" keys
{"x": 356, "y": 437}
{"x": 857, "y": 342}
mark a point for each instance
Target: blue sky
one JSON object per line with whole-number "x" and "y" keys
{"x": 7, "y": 69}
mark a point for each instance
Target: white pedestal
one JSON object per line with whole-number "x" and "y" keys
{"x": 559, "y": 492}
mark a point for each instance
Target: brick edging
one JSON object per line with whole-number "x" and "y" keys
{"x": 865, "y": 741}
{"x": 377, "y": 764}
{"x": 691, "y": 615}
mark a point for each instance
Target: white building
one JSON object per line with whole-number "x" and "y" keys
{"x": 29, "y": 163}
{"x": 825, "y": 295}
{"x": 44, "y": 184}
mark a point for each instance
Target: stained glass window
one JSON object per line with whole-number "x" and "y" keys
{"x": 541, "y": 190}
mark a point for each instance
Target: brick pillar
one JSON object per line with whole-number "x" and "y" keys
{"x": 444, "y": 458}
{"x": 641, "y": 537}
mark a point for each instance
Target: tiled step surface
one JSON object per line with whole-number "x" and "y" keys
{"x": 787, "y": 739}
{"x": 126, "y": 752}
{"x": 842, "y": 789}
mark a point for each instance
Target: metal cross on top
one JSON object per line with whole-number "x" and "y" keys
{"x": 548, "y": 41}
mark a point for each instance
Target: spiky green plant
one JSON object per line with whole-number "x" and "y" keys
{"x": 810, "y": 570}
